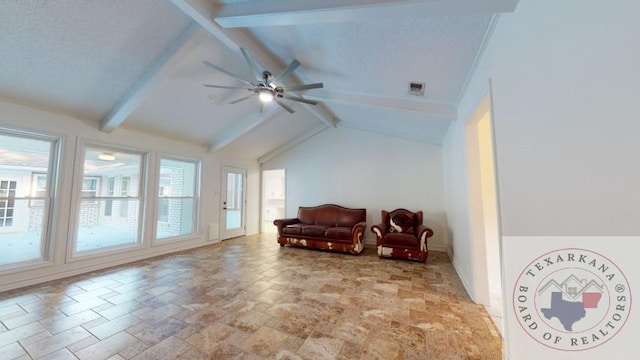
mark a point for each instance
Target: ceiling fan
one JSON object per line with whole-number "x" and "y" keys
{"x": 266, "y": 86}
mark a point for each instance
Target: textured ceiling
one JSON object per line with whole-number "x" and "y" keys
{"x": 78, "y": 56}
{"x": 139, "y": 64}
{"x": 382, "y": 58}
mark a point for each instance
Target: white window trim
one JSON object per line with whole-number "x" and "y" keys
{"x": 50, "y": 215}
{"x": 196, "y": 199}
{"x": 76, "y": 198}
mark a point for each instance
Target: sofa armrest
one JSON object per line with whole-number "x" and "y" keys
{"x": 423, "y": 233}
{"x": 281, "y": 223}
{"x": 359, "y": 227}
{"x": 357, "y": 237}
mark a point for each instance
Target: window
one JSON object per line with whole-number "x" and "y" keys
{"x": 90, "y": 187}
{"x": 165, "y": 191}
{"x": 98, "y": 225}
{"x": 7, "y": 202}
{"x": 108, "y": 204}
{"x": 234, "y": 191}
{"x": 27, "y": 175}
{"x": 124, "y": 193}
{"x": 39, "y": 185}
{"x": 177, "y": 198}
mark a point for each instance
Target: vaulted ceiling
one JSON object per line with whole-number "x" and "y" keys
{"x": 139, "y": 64}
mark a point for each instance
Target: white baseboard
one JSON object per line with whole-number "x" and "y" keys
{"x": 464, "y": 281}
{"x": 495, "y": 302}
{"x": 437, "y": 247}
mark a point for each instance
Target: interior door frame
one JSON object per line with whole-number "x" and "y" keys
{"x": 224, "y": 233}
{"x": 262, "y": 195}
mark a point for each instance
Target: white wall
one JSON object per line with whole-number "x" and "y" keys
{"x": 565, "y": 81}
{"x": 73, "y": 130}
{"x": 356, "y": 168}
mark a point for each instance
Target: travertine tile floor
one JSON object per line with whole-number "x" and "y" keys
{"x": 248, "y": 298}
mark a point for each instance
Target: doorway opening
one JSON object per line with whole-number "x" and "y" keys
{"x": 273, "y": 199}
{"x": 483, "y": 211}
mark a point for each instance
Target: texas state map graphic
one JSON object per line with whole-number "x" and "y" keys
{"x": 569, "y": 312}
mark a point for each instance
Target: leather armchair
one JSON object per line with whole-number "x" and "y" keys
{"x": 402, "y": 235}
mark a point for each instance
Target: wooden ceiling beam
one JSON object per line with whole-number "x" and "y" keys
{"x": 300, "y": 12}
{"x": 242, "y": 127}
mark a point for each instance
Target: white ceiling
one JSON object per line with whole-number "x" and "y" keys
{"x": 138, "y": 64}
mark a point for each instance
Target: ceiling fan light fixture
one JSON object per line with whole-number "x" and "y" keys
{"x": 267, "y": 88}
{"x": 265, "y": 96}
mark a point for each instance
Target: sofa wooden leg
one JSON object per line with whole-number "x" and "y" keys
{"x": 281, "y": 245}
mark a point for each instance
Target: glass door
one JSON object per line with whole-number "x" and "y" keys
{"x": 233, "y": 202}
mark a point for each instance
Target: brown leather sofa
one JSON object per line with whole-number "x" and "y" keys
{"x": 401, "y": 235}
{"x": 326, "y": 227}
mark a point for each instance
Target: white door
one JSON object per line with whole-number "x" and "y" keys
{"x": 233, "y": 202}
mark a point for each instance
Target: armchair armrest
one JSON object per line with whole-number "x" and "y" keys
{"x": 280, "y": 223}
{"x": 423, "y": 233}
{"x": 380, "y": 230}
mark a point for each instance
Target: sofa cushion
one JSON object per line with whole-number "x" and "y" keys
{"x": 401, "y": 239}
{"x": 338, "y": 233}
{"x": 307, "y": 215}
{"x": 313, "y": 230}
{"x": 295, "y": 229}
{"x": 326, "y": 215}
{"x": 350, "y": 217}
{"x": 402, "y": 222}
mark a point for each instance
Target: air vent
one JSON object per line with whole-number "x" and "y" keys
{"x": 416, "y": 88}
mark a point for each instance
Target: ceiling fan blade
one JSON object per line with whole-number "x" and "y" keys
{"x": 304, "y": 87}
{"x": 225, "y": 87}
{"x": 284, "y": 106}
{"x": 241, "y": 99}
{"x": 252, "y": 63}
{"x": 286, "y": 72}
{"x": 228, "y": 73}
{"x": 297, "y": 98}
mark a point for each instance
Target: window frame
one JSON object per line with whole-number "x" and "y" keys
{"x": 81, "y": 149}
{"x": 50, "y": 211}
{"x": 196, "y": 198}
